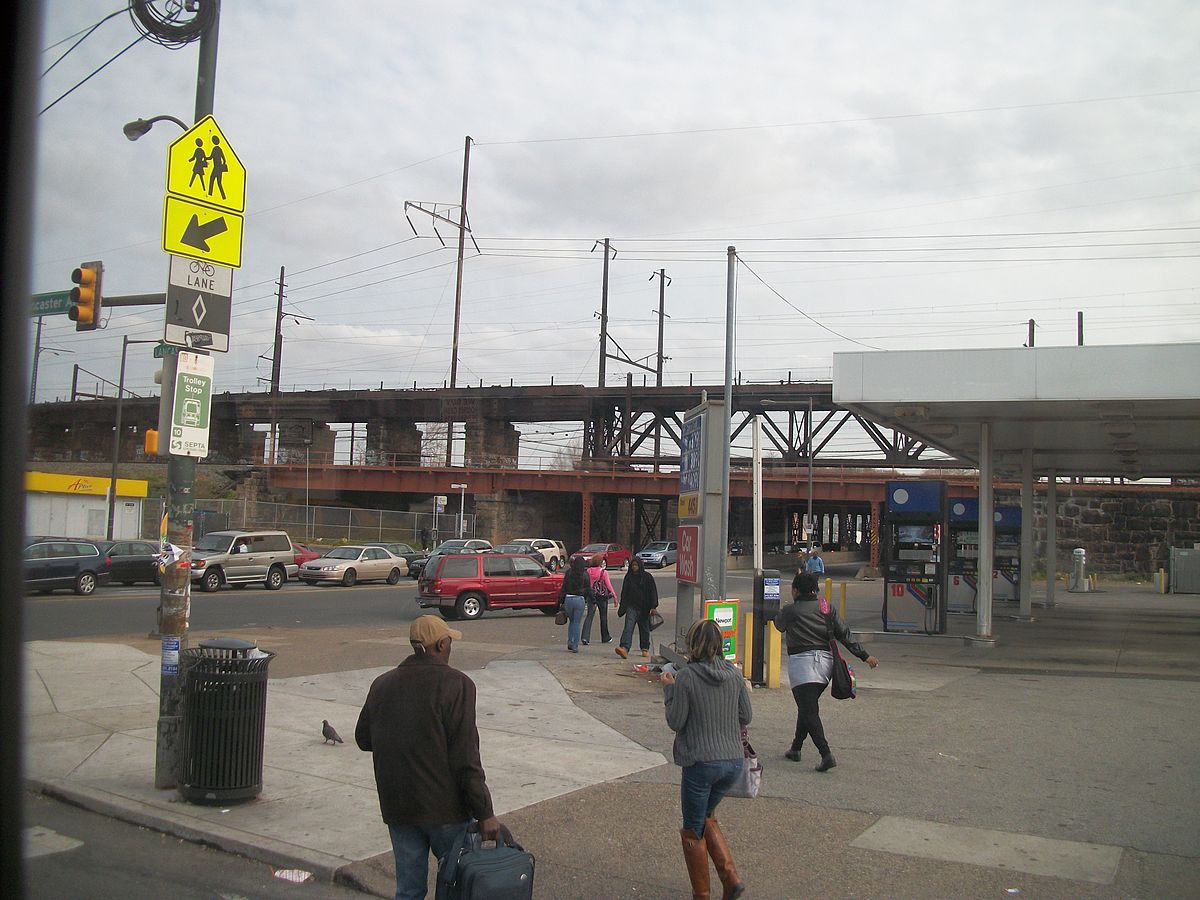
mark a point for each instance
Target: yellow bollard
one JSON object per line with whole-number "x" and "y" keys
{"x": 828, "y": 589}
{"x": 842, "y": 602}
{"x": 747, "y": 643}
{"x": 1162, "y": 581}
{"x": 774, "y": 651}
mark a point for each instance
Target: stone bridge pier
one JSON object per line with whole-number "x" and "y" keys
{"x": 492, "y": 444}
{"x": 393, "y": 442}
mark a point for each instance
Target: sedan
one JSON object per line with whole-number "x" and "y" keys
{"x": 612, "y": 556}
{"x": 351, "y": 564}
{"x": 132, "y": 561}
{"x": 414, "y": 557}
{"x": 658, "y": 554}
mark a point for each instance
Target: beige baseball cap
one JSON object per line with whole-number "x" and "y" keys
{"x": 428, "y": 630}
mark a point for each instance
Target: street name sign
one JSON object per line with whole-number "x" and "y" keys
{"x": 198, "y": 305}
{"x": 52, "y": 303}
{"x": 190, "y": 413}
{"x": 206, "y": 196}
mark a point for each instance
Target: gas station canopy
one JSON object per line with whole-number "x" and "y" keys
{"x": 1121, "y": 411}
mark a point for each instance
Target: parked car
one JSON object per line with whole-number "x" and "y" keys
{"x": 463, "y": 585}
{"x": 614, "y": 556}
{"x": 244, "y": 557}
{"x": 521, "y": 549}
{"x": 132, "y": 561}
{"x": 414, "y": 557}
{"x": 350, "y": 564}
{"x": 553, "y": 553}
{"x": 64, "y": 563}
{"x": 457, "y": 545}
{"x": 304, "y": 553}
{"x": 658, "y": 554}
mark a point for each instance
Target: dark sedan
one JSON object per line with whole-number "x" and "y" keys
{"x": 132, "y": 561}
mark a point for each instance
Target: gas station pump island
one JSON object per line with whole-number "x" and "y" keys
{"x": 916, "y": 538}
{"x": 1006, "y": 574}
{"x": 964, "y": 554}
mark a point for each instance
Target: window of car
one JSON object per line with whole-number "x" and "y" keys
{"x": 216, "y": 541}
{"x": 658, "y": 547}
{"x": 497, "y": 566}
{"x": 401, "y": 549}
{"x": 344, "y": 553}
{"x": 459, "y": 567}
{"x": 37, "y": 551}
{"x": 376, "y": 553}
{"x": 524, "y": 566}
{"x": 270, "y": 543}
{"x": 594, "y": 548}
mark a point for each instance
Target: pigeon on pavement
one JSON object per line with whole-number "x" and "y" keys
{"x": 330, "y": 733}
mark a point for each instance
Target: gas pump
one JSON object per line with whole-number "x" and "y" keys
{"x": 1006, "y": 575}
{"x": 916, "y": 538}
{"x": 963, "y": 575}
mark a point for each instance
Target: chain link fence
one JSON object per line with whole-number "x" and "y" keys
{"x": 319, "y": 524}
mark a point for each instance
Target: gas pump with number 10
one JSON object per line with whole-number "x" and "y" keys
{"x": 916, "y": 537}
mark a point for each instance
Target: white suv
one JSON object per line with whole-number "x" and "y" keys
{"x": 553, "y": 553}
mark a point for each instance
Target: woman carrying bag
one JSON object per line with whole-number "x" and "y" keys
{"x": 707, "y": 707}
{"x": 573, "y": 599}
{"x": 639, "y": 595}
{"x": 808, "y": 631}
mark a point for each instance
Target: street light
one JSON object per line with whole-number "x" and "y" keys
{"x": 138, "y": 127}
{"x": 462, "y": 499}
{"x": 112, "y": 481}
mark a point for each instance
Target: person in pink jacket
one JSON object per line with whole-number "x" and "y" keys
{"x": 602, "y": 593}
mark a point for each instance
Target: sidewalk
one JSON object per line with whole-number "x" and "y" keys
{"x": 1061, "y": 763}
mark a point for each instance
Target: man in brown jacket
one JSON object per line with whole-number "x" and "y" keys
{"x": 419, "y": 725}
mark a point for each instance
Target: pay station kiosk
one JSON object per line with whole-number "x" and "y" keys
{"x": 915, "y": 541}
{"x": 1006, "y": 576}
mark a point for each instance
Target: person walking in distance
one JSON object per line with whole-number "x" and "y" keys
{"x": 815, "y": 565}
{"x": 573, "y": 597}
{"x": 707, "y": 706}
{"x": 602, "y": 592}
{"x": 418, "y": 724}
{"x": 808, "y": 624}
{"x": 639, "y": 595}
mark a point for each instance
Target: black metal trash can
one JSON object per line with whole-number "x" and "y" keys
{"x": 224, "y": 718}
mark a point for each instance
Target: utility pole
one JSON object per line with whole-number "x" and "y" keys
{"x": 175, "y": 595}
{"x": 37, "y": 351}
{"x": 276, "y": 363}
{"x": 1029, "y": 342}
{"x": 458, "y": 283}
{"x": 603, "y": 316}
{"x": 663, "y": 281}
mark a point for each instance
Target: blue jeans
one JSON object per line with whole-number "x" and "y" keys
{"x": 602, "y": 606}
{"x": 574, "y": 605}
{"x": 410, "y": 848}
{"x": 702, "y": 786}
{"x": 642, "y": 621}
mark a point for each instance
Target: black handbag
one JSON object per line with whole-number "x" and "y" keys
{"x": 471, "y": 871}
{"x": 841, "y": 681}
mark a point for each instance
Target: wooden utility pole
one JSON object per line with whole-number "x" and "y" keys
{"x": 458, "y": 282}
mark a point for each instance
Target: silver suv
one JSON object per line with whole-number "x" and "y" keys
{"x": 243, "y": 557}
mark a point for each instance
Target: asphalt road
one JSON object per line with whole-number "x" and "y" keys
{"x": 71, "y": 852}
{"x": 118, "y": 610}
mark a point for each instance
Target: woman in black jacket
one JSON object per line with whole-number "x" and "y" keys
{"x": 574, "y": 596}
{"x": 808, "y": 624}
{"x": 639, "y": 595}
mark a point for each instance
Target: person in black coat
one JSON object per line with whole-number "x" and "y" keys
{"x": 808, "y": 624}
{"x": 639, "y": 595}
{"x": 574, "y": 597}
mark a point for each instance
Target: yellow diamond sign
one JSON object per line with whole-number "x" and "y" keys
{"x": 202, "y": 166}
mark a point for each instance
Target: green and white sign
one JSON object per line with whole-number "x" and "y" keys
{"x": 193, "y": 405}
{"x": 53, "y": 303}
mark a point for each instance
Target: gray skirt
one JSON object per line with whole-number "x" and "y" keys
{"x": 810, "y": 667}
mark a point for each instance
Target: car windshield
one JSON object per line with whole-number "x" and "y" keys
{"x": 344, "y": 553}
{"x": 656, "y": 547}
{"x": 594, "y": 548}
{"x": 512, "y": 548}
{"x": 450, "y": 546}
{"x": 212, "y": 542}
{"x": 522, "y": 544}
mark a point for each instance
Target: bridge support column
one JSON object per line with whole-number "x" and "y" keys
{"x": 492, "y": 444}
{"x": 393, "y": 442}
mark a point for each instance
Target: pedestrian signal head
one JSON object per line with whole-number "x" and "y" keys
{"x": 86, "y": 298}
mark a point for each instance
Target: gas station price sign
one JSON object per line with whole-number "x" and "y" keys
{"x": 690, "y": 460}
{"x": 725, "y": 614}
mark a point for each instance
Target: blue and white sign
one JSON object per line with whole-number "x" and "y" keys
{"x": 690, "y": 456}
{"x": 170, "y": 656}
{"x": 771, "y": 589}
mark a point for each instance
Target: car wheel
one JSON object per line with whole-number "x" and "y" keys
{"x": 211, "y": 580}
{"x": 393, "y": 576}
{"x": 276, "y": 576}
{"x": 349, "y": 578}
{"x": 470, "y": 606}
{"x": 85, "y": 583}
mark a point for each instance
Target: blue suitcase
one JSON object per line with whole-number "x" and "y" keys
{"x": 471, "y": 871}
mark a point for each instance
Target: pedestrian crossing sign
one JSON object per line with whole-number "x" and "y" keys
{"x": 204, "y": 168}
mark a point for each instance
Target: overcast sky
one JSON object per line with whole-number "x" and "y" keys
{"x": 893, "y": 174}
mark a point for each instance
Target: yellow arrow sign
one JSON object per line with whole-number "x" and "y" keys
{"x": 201, "y": 232}
{"x": 202, "y": 166}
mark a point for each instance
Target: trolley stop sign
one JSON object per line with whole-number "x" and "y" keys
{"x": 192, "y": 406}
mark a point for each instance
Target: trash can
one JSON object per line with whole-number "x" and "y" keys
{"x": 1079, "y": 576}
{"x": 224, "y": 717}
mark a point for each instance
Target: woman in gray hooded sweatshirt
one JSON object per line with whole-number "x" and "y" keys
{"x": 707, "y": 707}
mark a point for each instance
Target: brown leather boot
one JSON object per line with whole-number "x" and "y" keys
{"x": 718, "y": 849}
{"x": 695, "y": 854}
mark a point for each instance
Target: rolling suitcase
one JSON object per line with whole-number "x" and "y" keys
{"x": 471, "y": 871}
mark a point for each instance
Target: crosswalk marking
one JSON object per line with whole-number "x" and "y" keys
{"x": 42, "y": 841}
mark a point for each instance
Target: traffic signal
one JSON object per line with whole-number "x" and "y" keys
{"x": 86, "y": 299}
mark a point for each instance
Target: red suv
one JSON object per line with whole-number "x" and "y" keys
{"x": 462, "y": 586}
